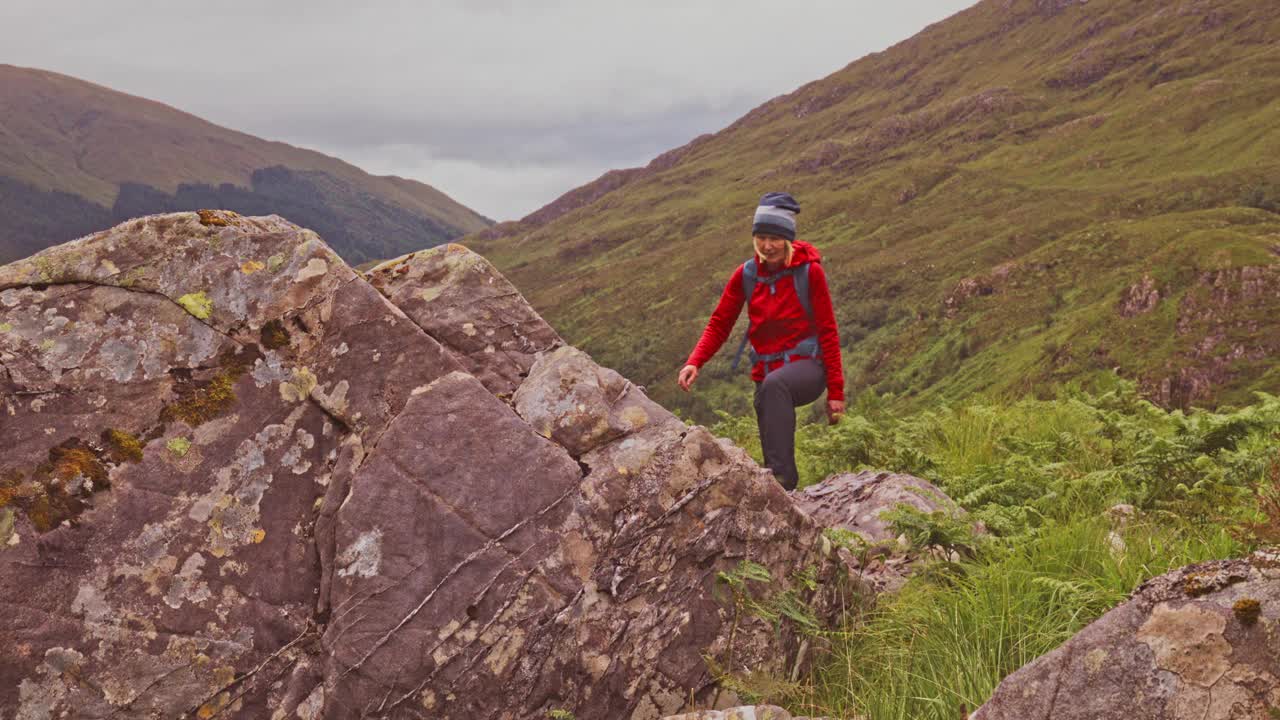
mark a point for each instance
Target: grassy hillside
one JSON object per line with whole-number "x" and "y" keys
{"x": 1027, "y": 193}
{"x": 1044, "y": 478}
{"x": 72, "y": 149}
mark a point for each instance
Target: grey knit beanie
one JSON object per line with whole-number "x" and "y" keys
{"x": 776, "y": 215}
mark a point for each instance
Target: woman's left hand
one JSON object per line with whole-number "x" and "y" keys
{"x": 835, "y": 411}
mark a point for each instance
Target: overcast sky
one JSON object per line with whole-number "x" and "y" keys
{"x": 502, "y": 104}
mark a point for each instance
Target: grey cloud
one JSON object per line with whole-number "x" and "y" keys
{"x": 547, "y": 89}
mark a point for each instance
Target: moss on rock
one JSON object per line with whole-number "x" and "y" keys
{"x": 275, "y": 335}
{"x": 122, "y": 446}
{"x": 199, "y": 403}
{"x": 56, "y": 491}
{"x": 1247, "y": 610}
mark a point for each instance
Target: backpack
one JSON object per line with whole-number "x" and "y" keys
{"x": 808, "y": 346}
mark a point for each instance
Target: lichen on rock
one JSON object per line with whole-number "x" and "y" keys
{"x": 323, "y": 497}
{"x": 198, "y": 304}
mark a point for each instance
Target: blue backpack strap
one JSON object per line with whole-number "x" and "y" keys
{"x": 801, "y": 279}
{"x": 749, "y": 275}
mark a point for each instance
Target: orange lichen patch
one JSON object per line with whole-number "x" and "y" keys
{"x": 77, "y": 461}
{"x": 249, "y": 267}
{"x": 12, "y": 489}
{"x": 1198, "y": 584}
{"x": 56, "y": 490}
{"x": 212, "y": 217}
{"x": 275, "y": 335}
{"x": 214, "y": 706}
{"x": 1247, "y": 610}
{"x": 122, "y": 446}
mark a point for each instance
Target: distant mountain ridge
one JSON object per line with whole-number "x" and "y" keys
{"x": 77, "y": 157}
{"x": 1028, "y": 193}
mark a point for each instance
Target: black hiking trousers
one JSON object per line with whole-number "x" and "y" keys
{"x": 797, "y": 383}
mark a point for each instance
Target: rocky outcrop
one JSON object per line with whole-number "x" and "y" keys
{"x": 1198, "y": 642}
{"x": 979, "y": 286}
{"x": 460, "y": 299}
{"x": 1222, "y": 329}
{"x": 857, "y": 502}
{"x": 1139, "y": 298}
{"x": 241, "y": 482}
{"x": 185, "y": 399}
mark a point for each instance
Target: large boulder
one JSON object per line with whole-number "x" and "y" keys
{"x": 239, "y": 481}
{"x": 177, "y": 395}
{"x": 858, "y": 503}
{"x": 1201, "y": 642}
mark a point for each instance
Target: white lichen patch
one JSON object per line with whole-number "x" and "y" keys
{"x": 595, "y": 663}
{"x": 1094, "y": 660}
{"x": 38, "y": 700}
{"x": 299, "y": 385}
{"x": 448, "y": 630}
{"x": 309, "y": 709}
{"x": 1188, "y": 642}
{"x": 505, "y": 651}
{"x": 315, "y": 267}
{"x": 363, "y": 557}
{"x": 429, "y": 294}
{"x": 334, "y": 401}
{"x": 187, "y": 585}
{"x": 293, "y": 458}
{"x": 90, "y": 604}
{"x": 268, "y": 370}
{"x": 635, "y": 417}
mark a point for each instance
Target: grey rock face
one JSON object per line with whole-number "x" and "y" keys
{"x": 1199, "y": 642}
{"x": 239, "y": 481}
{"x": 176, "y": 392}
{"x": 857, "y": 502}
{"x": 460, "y": 299}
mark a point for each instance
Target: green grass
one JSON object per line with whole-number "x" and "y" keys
{"x": 1039, "y": 474}
{"x": 942, "y": 645}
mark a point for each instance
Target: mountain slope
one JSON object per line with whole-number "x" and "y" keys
{"x": 77, "y": 157}
{"x": 1027, "y": 193}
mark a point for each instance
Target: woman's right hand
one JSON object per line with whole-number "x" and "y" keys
{"x": 688, "y": 374}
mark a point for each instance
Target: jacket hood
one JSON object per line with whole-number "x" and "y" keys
{"x": 801, "y": 252}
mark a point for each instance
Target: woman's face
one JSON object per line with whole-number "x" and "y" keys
{"x": 772, "y": 248}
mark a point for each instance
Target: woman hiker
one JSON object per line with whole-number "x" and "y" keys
{"x": 794, "y": 341}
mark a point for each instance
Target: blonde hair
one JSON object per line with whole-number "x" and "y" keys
{"x": 755, "y": 243}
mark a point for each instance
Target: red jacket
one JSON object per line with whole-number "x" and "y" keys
{"x": 778, "y": 320}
